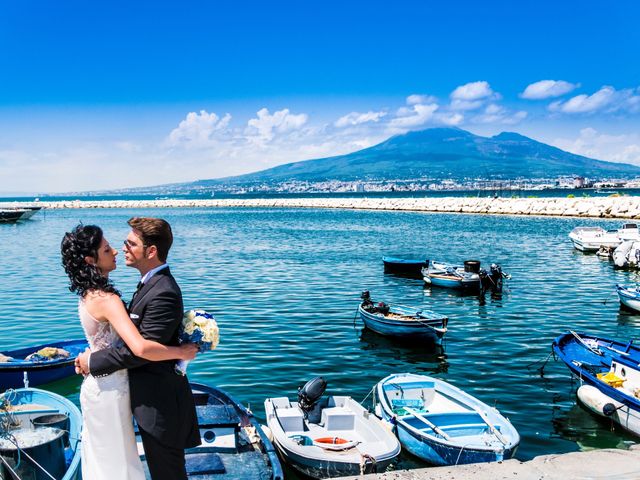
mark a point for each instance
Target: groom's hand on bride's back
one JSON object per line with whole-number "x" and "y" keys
{"x": 82, "y": 362}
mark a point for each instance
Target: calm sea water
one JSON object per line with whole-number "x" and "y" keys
{"x": 284, "y": 286}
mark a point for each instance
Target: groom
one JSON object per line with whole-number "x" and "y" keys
{"x": 161, "y": 399}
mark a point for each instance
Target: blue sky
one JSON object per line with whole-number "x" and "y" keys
{"x": 100, "y": 95}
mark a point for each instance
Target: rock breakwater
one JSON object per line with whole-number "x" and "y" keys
{"x": 601, "y": 207}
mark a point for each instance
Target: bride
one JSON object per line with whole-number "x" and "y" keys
{"x": 109, "y": 450}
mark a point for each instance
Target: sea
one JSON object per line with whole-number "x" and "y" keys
{"x": 284, "y": 286}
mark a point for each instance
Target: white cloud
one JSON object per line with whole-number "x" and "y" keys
{"x": 415, "y": 117}
{"x": 198, "y": 130}
{"x": 129, "y": 147}
{"x": 548, "y": 89}
{"x": 263, "y": 129}
{"x": 450, "y": 118}
{"x": 472, "y": 91}
{"x": 497, "y": 114}
{"x": 623, "y": 148}
{"x": 415, "y": 98}
{"x": 605, "y": 100}
{"x": 355, "y": 118}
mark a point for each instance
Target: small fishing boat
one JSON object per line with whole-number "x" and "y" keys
{"x": 404, "y": 266}
{"x": 465, "y": 277}
{"x": 39, "y": 364}
{"x": 330, "y": 436}
{"x": 609, "y": 375}
{"x": 41, "y": 437}
{"x": 402, "y": 322}
{"x": 442, "y": 424}
{"x": 234, "y": 446}
{"x": 629, "y": 297}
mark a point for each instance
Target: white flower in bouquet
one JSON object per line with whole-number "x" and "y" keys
{"x": 198, "y": 327}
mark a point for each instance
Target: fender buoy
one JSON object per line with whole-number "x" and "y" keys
{"x": 334, "y": 443}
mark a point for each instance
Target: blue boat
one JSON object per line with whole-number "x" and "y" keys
{"x": 404, "y": 266}
{"x": 50, "y": 425}
{"x": 15, "y": 365}
{"x": 461, "y": 277}
{"x": 402, "y": 322}
{"x": 441, "y": 424}
{"x": 609, "y": 374}
{"x": 234, "y": 445}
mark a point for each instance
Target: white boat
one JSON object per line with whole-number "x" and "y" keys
{"x": 590, "y": 239}
{"x": 616, "y": 396}
{"x": 629, "y": 297}
{"x": 329, "y": 436}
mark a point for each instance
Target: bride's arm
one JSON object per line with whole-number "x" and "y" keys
{"x": 112, "y": 310}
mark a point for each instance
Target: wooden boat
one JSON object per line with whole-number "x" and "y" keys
{"x": 404, "y": 266}
{"x": 399, "y": 321}
{"x": 15, "y": 367}
{"x": 629, "y": 297}
{"x": 609, "y": 375}
{"x": 233, "y": 443}
{"x": 466, "y": 277}
{"x": 442, "y": 424}
{"x": 46, "y": 428}
{"x": 330, "y": 436}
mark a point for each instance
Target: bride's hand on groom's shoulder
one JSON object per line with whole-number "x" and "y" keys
{"x": 188, "y": 351}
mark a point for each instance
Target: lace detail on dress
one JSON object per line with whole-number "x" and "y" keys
{"x": 100, "y": 335}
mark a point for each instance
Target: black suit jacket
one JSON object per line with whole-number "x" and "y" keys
{"x": 161, "y": 399}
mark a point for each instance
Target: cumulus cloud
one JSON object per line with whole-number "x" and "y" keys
{"x": 416, "y": 116}
{"x": 614, "y": 148}
{"x": 355, "y": 118}
{"x": 263, "y": 129}
{"x": 605, "y": 100}
{"x": 548, "y": 89}
{"x": 198, "y": 130}
{"x": 472, "y": 91}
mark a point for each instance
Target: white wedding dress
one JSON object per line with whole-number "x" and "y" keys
{"x": 109, "y": 450}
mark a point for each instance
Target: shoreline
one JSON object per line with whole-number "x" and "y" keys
{"x": 597, "y": 207}
{"x": 604, "y": 464}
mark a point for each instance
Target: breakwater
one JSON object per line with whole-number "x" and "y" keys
{"x": 597, "y": 207}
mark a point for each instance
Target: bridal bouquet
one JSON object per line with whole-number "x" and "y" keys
{"x": 198, "y": 327}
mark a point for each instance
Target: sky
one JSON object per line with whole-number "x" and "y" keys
{"x": 105, "y": 95}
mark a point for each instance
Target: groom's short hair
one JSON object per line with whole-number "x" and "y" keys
{"x": 154, "y": 231}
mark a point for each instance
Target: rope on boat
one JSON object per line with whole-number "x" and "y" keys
{"x": 544, "y": 363}
{"x": 370, "y": 392}
{"x": 364, "y": 457}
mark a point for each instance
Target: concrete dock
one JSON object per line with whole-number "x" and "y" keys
{"x": 605, "y": 464}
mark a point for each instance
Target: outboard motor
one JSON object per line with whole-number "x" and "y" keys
{"x": 495, "y": 273}
{"x": 367, "y": 304}
{"x": 309, "y": 395}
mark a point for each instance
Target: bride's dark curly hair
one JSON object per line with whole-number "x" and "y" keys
{"x": 84, "y": 241}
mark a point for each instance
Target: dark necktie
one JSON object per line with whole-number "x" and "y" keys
{"x": 140, "y": 285}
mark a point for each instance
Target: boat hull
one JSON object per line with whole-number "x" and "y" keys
{"x": 629, "y": 298}
{"x": 404, "y": 267}
{"x": 12, "y": 374}
{"x": 425, "y": 329}
{"x": 595, "y": 400}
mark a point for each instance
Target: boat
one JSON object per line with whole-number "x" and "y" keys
{"x": 29, "y": 211}
{"x": 10, "y": 216}
{"x": 629, "y": 297}
{"x": 402, "y": 322}
{"x": 591, "y": 239}
{"x": 329, "y": 436}
{"x": 464, "y": 277}
{"x": 53, "y": 363}
{"x": 46, "y": 428}
{"x": 404, "y": 266}
{"x": 627, "y": 255}
{"x": 442, "y": 424}
{"x": 234, "y": 446}
{"x": 609, "y": 374}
